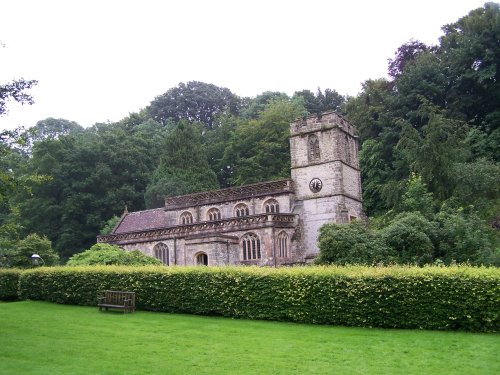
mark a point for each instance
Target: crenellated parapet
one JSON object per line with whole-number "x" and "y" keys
{"x": 317, "y": 122}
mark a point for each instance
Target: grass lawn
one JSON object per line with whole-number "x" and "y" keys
{"x": 45, "y": 338}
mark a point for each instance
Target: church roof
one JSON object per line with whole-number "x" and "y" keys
{"x": 142, "y": 220}
{"x": 229, "y": 194}
{"x": 156, "y": 218}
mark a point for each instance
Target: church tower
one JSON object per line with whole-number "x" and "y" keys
{"x": 325, "y": 174}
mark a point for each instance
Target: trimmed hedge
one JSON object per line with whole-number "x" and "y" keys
{"x": 9, "y": 281}
{"x": 461, "y": 297}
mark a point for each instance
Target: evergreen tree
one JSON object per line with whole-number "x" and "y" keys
{"x": 183, "y": 168}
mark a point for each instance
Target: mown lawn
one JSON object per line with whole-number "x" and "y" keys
{"x": 45, "y": 338}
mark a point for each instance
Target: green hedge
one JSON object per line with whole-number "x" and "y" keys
{"x": 465, "y": 298}
{"x": 9, "y": 281}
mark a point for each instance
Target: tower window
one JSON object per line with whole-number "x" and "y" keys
{"x": 347, "y": 150}
{"x": 313, "y": 148}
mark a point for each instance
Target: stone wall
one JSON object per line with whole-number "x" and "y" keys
{"x": 224, "y": 249}
{"x": 256, "y": 206}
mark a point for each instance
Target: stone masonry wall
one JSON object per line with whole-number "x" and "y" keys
{"x": 227, "y": 209}
{"x": 224, "y": 250}
{"x": 335, "y": 163}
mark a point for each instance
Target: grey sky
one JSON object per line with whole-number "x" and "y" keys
{"x": 100, "y": 60}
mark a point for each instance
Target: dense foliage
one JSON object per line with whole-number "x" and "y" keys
{"x": 462, "y": 297}
{"x": 194, "y": 102}
{"x": 183, "y": 167}
{"x": 105, "y": 254}
{"x": 9, "y": 284}
{"x": 411, "y": 234}
{"x": 436, "y": 118}
{"x": 19, "y": 253}
{"x": 352, "y": 244}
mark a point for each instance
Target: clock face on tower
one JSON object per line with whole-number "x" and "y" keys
{"x": 315, "y": 185}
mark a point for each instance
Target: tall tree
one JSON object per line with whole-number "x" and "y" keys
{"x": 183, "y": 167}
{"x": 331, "y": 100}
{"x": 470, "y": 53}
{"x": 259, "y": 150}
{"x": 405, "y": 55}
{"x": 53, "y": 128}
{"x": 194, "y": 102}
{"x": 12, "y": 175}
{"x": 383, "y": 172}
{"x": 215, "y": 143}
{"x": 424, "y": 81}
{"x": 94, "y": 174}
{"x": 15, "y": 90}
{"x": 433, "y": 152}
{"x": 258, "y": 104}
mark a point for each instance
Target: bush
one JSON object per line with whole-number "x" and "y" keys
{"x": 352, "y": 243}
{"x": 19, "y": 253}
{"x": 105, "y": 254}
{"x": 461, "y": 297}
{"x": 464, "y": 238}
{"x": 9, "y": 281}
{"x": 410, "y": 235}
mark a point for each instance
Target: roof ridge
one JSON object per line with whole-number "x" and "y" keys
{"x": 148, "y": 210}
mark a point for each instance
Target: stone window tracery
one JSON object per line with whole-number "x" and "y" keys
{"x": 271, "y": 206}
{"x": 313, "y": 148}
{"x": 213, "y": 214}
{"x": 282, "y": 245}
{"x": 250, "y": 245}
{"x": 186, "y": 218}
{"x": 161, "y": 252}
{"x": 241, "y": 209}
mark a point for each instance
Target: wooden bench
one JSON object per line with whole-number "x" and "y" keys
{"x": 117, "y": 300}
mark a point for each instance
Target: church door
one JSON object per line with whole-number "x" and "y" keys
{"x": 202, "y": 259}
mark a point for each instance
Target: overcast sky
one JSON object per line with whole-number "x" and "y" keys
{"x": 98, "y": 61}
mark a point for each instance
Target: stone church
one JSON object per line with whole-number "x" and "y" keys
{"x": 266, "y": 224}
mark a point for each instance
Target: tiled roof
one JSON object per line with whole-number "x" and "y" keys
{"x": 142, "y": 220}
{"x": 156, "y": 218}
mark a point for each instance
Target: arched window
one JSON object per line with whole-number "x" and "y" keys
{"x": 161, "y": 253}
{"x": 250, "y": 245}
{"x": 271, "y": 206}
{"x": 213, "y": 214}
{"x": 186, "y": 218}
{"x": 347, "y": 149}
{"x": 241, "y": 210}
{"x": 201, "y": 259}
{"x": 282, "y": 245}
{"x": 313, "y": 148}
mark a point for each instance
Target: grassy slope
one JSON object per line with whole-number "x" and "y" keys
{"x": 44, "y": 338}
